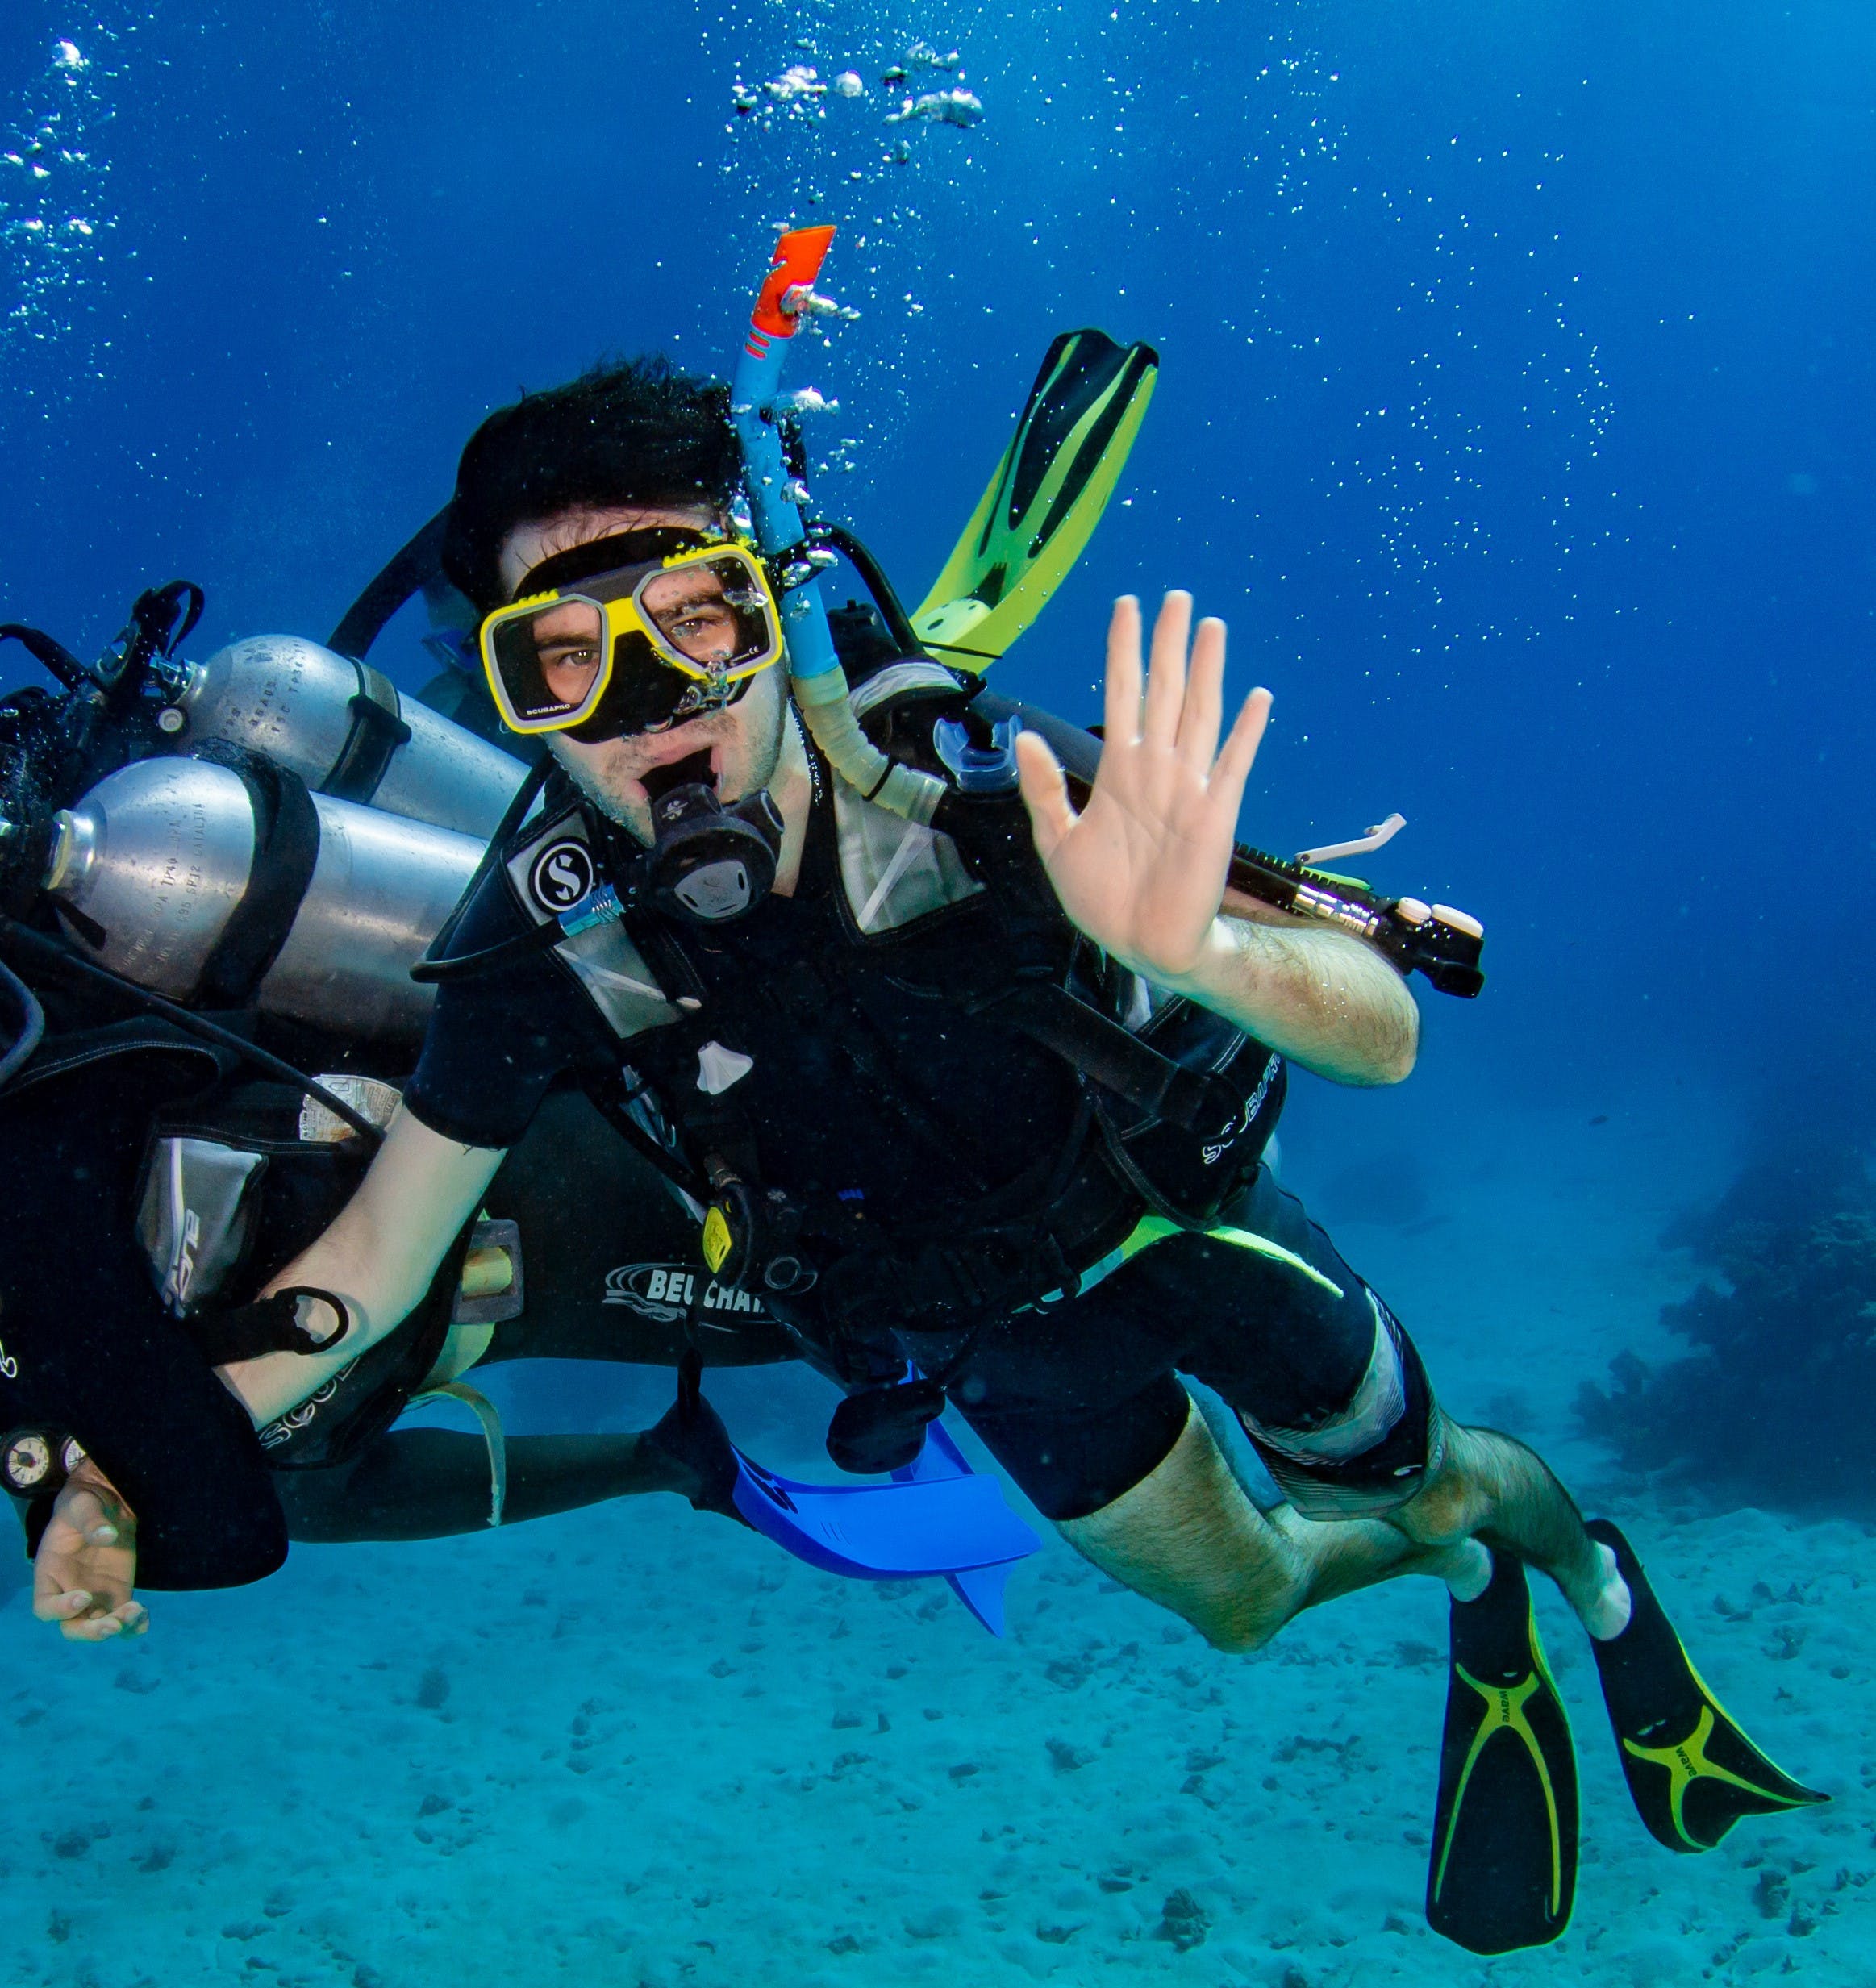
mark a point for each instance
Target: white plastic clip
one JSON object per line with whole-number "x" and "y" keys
{"x": 1383, "y": 832}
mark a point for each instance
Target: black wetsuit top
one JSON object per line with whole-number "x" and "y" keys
{"x": 895, "y": 1099}
{"x": 898, "y": 1101}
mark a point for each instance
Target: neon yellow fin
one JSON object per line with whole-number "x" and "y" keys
{"x": 1047, "y": 494}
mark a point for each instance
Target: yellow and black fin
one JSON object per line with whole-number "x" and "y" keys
{"x": 1691, "y": 1772}
{"x": 1501, "y": 1871}
{"x": 1047, "y": 494}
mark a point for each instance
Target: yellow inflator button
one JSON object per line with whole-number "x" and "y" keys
{"x": 718, "y": 1241}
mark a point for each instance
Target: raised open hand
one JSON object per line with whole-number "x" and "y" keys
{"x": 1141, "y": 870}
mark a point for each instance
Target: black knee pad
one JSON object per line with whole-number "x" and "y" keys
{"x": 1380, "y": 1478}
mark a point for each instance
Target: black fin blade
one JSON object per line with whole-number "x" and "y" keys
{"x": 1692, "y": 1774}
{"x": 1501, "y": 1873}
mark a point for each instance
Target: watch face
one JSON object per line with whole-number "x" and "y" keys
{"x": 27, "y": 1464}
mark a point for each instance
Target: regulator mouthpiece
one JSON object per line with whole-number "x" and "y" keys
{"x": 708, "y": 862}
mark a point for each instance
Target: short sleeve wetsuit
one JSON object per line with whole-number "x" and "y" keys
{"x": 867, "y": 1092}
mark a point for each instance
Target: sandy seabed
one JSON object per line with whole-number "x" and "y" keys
{"x": 637, "y": 1746}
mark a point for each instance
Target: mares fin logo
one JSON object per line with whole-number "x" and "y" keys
{"x": 718, "y": 1241}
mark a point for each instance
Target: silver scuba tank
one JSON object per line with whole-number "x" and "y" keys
{"x": 342, "y": 726}
{"x": 188, "y": 879}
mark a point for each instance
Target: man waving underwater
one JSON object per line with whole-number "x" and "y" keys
{"x": 971, "y": 1088}
{"x": 887, "y": 1064}
{"x": 940, "y": 1177}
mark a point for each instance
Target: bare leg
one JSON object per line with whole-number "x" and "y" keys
{"x": 1186, "y": 1537}
{"x": 1491, "y": 1487}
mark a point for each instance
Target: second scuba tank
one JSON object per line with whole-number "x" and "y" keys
{"x": 342, "y": 726}
{"x": 213, "y": 883}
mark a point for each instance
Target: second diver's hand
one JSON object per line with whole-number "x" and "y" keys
{"x": 86, "y": 1564}
{"x": 1141, "y": 870}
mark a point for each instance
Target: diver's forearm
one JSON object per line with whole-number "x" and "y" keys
{"x": 1320, "y": 998}
{"x": 379, "y": 1255}
{"x": 378, "y": 1294}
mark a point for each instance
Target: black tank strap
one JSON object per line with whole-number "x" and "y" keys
{"x": 76, "y": 1049}
{"x": 378, "y": 729}
{"x": 286, "y": 849}
{"x": 53, "y": 654}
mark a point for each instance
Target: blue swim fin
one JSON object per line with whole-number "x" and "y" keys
{"x": 938, "y": 1518}
{"x": 980, "y": 1589}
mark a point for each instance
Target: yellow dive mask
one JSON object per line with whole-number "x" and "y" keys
{"x": 633, "y": 633}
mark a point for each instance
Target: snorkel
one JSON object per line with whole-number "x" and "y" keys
{"x": 818, "y": 682}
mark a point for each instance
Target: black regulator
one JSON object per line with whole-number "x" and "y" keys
{"x": 707, "y": 862}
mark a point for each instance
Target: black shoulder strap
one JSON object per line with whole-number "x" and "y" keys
{"x": 1114, "y": 1057}
{"x": 992, "y": 833}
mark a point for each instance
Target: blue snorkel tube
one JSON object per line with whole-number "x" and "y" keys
{"x": 815, "y": 675}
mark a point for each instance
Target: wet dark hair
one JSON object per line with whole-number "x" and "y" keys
{"x": 634, "y": 432}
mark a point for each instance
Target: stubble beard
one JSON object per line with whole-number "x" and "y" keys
{"x": 745, "y": 741}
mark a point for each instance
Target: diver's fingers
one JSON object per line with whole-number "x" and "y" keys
{"x": 1240, "y": 751}
{"x": 128, "y": 1620}
{"x": 1045, "y": 792}
{"x": 1121, "y": 701}
{"x": 1204, "y": 710}
{"x": 52, "y": 1603}
{"x": 1165, "y": 679}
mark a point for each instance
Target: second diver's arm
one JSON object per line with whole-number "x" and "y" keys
{"x": 379, "y": 1255}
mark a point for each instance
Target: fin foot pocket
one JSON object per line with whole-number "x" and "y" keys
{"x": 691, "y": 1436}
{"x": 1501, "y": 1873}
{"x": 1691, "y": 1772}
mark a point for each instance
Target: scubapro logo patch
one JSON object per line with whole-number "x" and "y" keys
{"x": 563, "y": 874}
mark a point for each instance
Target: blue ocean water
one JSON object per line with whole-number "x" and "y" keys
{"x": 1516, "y": 413}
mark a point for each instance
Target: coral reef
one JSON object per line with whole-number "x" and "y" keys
{"x": 1771, "y": 1406}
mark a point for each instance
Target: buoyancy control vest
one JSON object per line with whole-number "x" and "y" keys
{"x": 1165, "y": 1109}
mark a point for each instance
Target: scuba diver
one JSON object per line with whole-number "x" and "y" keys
{"x": 970, "y": 1082}
{"x": 956, "y": 1037}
